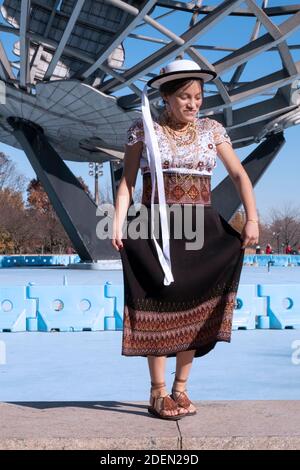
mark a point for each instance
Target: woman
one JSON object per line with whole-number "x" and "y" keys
{"x": 179, "y": 301}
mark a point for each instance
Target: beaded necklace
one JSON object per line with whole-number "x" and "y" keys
{"x": 179, "y": 138}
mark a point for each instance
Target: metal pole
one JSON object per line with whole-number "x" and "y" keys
{"x": 96, "y": 184}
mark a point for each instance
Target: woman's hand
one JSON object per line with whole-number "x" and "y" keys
{"x": 117, "y": 239}
{"x": 250, "y": 234}
{"x": 125, "y": 191}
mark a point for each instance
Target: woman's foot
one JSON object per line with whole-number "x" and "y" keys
{"x": 179, "y": 395}
{"x": 162, "y": 404}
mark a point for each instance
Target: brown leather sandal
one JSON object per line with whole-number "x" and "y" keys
{"x": 181, "y": 398}
{"x": 161, "y": 404}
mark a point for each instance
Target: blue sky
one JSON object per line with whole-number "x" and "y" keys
{"x": 279, "y": 186}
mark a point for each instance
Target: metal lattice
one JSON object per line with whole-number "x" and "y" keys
{"x": 73, "y": 67}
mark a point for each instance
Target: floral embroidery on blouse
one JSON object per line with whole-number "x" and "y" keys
{"x": 198, "y": 157}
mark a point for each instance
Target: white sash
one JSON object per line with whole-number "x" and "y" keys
{"x": 154, "y": 160}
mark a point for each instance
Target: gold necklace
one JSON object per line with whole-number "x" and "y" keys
{"x": 166, "y": 119}
{"x": 175, "y": 141}
{"x": 180, "y": 179}
{"x": 184, "y": 136}
{"x": 187, "y": 138}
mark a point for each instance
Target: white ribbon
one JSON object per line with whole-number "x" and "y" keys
{"x": 154, "y": 160}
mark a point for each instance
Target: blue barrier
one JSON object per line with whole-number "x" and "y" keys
{"x": 276, "y": 260}
{"x": 248, "y": 306}
{"x": 74, "y": 259}
{"x": 100, "y": 307}
{"x": 38, "y": 260}
{"x": 263, "y": 322}
{"x": 12, "y": 261}
{"x": 116, "y": 294}
{"x": 15, "y": 308}
{"x": 64, "y": 260}
{"x": 70, "y": 308}
{"x": 283, "y": 304}
{"x": 31, "y": 260}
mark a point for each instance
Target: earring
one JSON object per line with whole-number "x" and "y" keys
{"x": 168, "y": 108}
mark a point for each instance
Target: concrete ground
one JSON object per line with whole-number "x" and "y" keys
{"x": 125, "y": 426}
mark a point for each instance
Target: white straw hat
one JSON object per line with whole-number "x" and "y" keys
{"x": 181, "y": 68}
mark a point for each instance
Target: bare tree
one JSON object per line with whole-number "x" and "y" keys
{"x": 105, "y": 195}
{"x": 284, "y": 226}
{"x": 137, "y": 195}
{"x": 9, "y": 176}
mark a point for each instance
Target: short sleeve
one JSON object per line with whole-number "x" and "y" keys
{"x": 135, "y": 133}
{"x": 219, "y": 132}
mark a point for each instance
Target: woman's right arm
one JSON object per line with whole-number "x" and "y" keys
{"x": 125, "y": 191}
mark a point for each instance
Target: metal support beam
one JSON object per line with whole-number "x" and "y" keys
{"x": 24, "y": 44}
{"x": 62, "y": 16}
{"x": 225, "y": 196}
{"x": 167, "y": 52}
{"x": 109, "y": 48}
{"x": 275, "y": 32}
{"x": 6, "y": 72}
{"x": 188, "y": 7}
{"x": 37, "y": 56}
{"x": 255, "y": 33}
{"x": 52, "y": 16}
{"x": 64, "y": 39}
{"x": 75, "y": 209}
{"x": 205, "y": 64}
{"x": 243, "y": 91}
{"x": 258, "y": 46}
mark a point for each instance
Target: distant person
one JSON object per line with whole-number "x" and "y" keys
{"x": 288, "y": 249}
{"x": 257, "y": 250}
{"x": 269, "y": 250}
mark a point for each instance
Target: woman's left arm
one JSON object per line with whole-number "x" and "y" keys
{"x": 241, "y": 180}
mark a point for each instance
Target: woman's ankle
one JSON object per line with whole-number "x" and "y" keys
{"x": 158, "y": 389}
{"x": 179, "y": 385}
{"x": 159, "y": 393}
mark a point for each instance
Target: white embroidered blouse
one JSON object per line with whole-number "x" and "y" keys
{"x": 198, "y": 157}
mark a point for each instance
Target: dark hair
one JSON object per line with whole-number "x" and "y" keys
{"x": 172, "y": 86}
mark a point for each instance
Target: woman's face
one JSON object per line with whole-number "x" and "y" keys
{"x": 185, "y": 103}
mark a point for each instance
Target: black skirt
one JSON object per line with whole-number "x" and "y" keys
{"x": 195, "y": 311}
